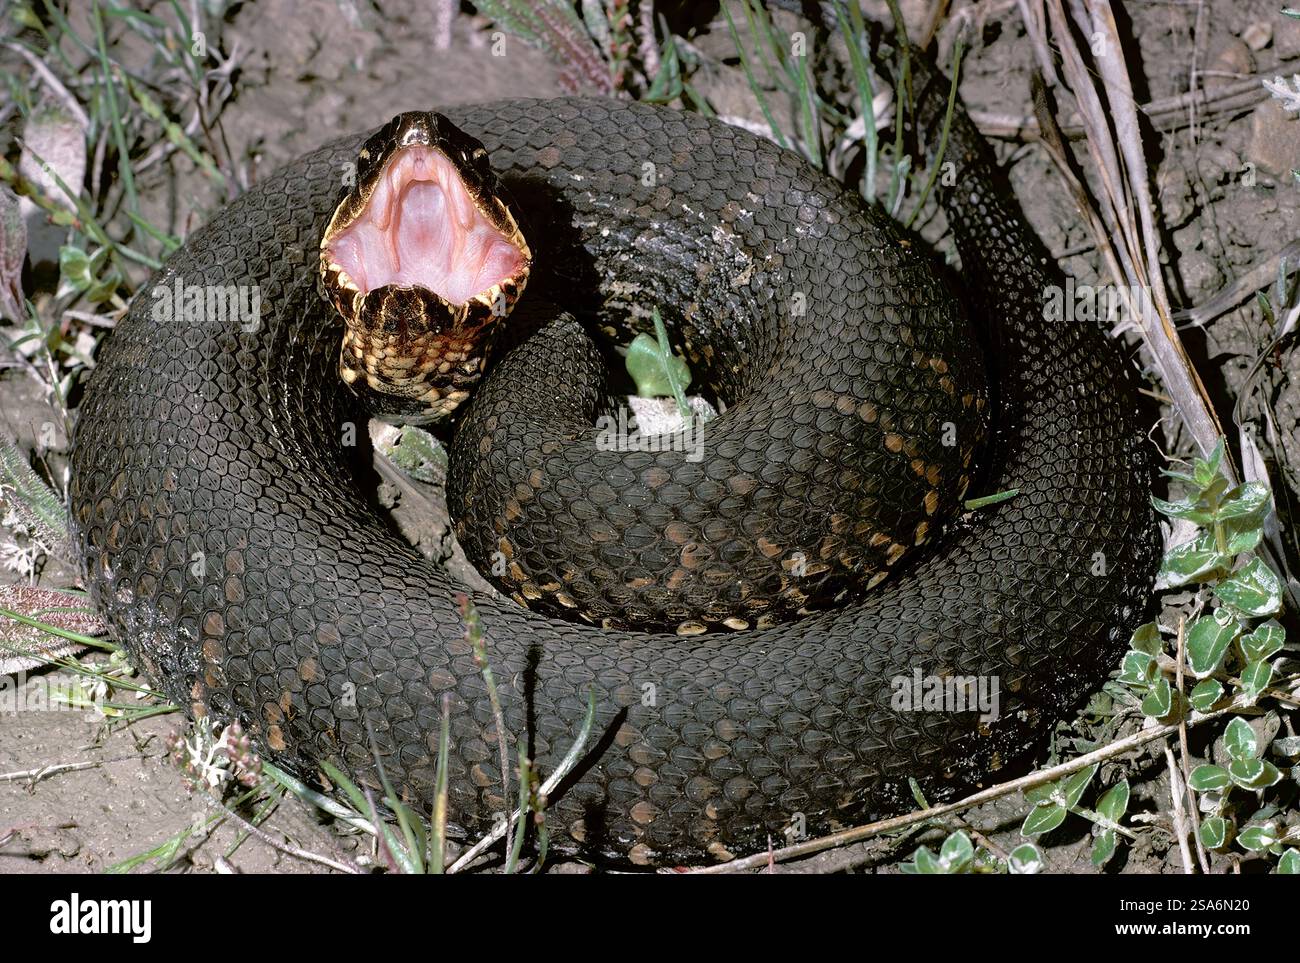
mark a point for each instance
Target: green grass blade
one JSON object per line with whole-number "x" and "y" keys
{"x": 943, "y": 136}
{"x": 114, "y": 111}
{"x": 808, "y": 111}
{"x": 902, "y": 103}
{"x": 439, "y": 829}
{"x": 753, "y": 82}
{"x": 854, "y": 33}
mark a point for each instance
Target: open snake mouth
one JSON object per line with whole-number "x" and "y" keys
{"x": 423, "y": 259}
{"x": 421, "y": 227}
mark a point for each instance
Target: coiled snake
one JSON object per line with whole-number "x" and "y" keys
{"x": 227, "y": 536}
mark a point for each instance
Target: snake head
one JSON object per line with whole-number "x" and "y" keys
{"x": 422, "y": 258}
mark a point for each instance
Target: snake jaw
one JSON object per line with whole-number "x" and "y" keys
{"x": 421, "y": 258}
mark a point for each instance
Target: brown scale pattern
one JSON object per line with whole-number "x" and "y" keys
{"x": 814, "y": 486}
{"x": 226, "y": 537}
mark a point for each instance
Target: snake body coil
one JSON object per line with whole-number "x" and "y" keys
{"x": 227, "y": 538}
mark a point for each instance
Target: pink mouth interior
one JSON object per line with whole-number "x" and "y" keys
{"x": 420, "y": 228}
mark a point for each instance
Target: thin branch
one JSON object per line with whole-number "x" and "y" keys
{"x": 286, "y": 848}
{"x": 1183, "y": 755}
{"x": 43, "y": 772}
{"x": 1165, "y": 113}
{"x": 1176, "y": 798}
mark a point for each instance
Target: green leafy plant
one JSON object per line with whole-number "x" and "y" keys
{"x": 417, "y": 453}
{"x": 1232, "y": 524}
{"x": 656, "y": 371}
{"x": 1229, "y": 655}
{"x": 91, "y": 275}
{"x": 958, "y": 855}
{"x": 1227, "y": 651}
{"x": 1054, "y": 801}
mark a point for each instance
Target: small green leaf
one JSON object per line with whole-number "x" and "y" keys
{"x": 1206, "y": 694}
{"x": 1041, "y": 794}
{"x": 1208, "y": 778}
{"x": 1289, "y": 864}
{"x": 653, "y": 370}
{"x": 1113, "y": 804}
{"x": 1193, "y": 561}
{"x": 74, "y": 266}
{"x": 1254, "y": 590}
{"x": 1146, "y": 638}
{"x": 83, "y": 273}
{"x": 1208, "y": 639}
{"x": 1254, "y": 774}
{"x": 1185, "y": 508}
{"x": 956, "y": 853}
{"x": 1244, "y": 541}
{"x": 1271, "y": 776}
{"x": 1257, "y": 837}
{"x": 1205, "y": 471}
{"x": 1245, "y": 772}
{"x": 1073, "y": 787}
{"x": 1246, "y": 504}
{"x": 925, "y": 862}
{"x": 1159, "y": 701}
{"x": 1181, "y": 476}
{"x": 1239, "y": 739}
{"x": 1138, "y": 669}
{"x": 102, "y": 290}
{"x": 1103, "y": 848}
{"x": 1025, "y": 860}
{"x": 1264, "y": 642}
{"x": 1042, "y": 819}
{"x": 416, "y": 452}
{"x": 1214, "y": 832}
{"x": 1255, "y": 679}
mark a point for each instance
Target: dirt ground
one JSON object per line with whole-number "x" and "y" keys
{"x": 315, "y": 69}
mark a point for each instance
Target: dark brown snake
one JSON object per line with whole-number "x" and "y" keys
{"x": 228, "y": 538}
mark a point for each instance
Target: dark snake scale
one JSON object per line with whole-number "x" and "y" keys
{"x": 227, "y": 535}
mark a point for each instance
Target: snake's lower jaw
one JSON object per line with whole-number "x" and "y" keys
{"x": 409, "y": 366}
{"x": 411, "y": 353}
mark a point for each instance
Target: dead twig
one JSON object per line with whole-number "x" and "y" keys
{"x": 1165, "y": 113}
{"x": 44, "y": 772}
{"x": 286, "y": 848}
{"x": 1126, "y": 208}
{"x": 1184, "y": 754}
{"x": 1176, "y": 799}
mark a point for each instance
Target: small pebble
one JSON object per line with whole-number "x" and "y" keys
{"x": 1258, "y": 35}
